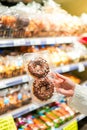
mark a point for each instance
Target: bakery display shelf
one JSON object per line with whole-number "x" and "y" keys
{"x": 35, "y": 41}
{"x": 24, "y": 78}
{"x": 23, "y": 110}
{"x": 30, "y": 107}
{"x": 13, "y": 81}
{"x": 75, "y": 66}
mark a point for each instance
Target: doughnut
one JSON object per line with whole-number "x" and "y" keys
{"x": 38, "y": 67}
{"x": 43, "y": 89}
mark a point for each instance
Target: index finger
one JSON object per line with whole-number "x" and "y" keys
{"x": 61, "y": 76}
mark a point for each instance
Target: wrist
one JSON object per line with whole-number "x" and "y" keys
{"x": 74, "y": 87}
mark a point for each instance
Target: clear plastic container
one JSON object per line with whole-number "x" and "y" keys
{"x": 35, "y": 99}
{"x": 33, "y": 56}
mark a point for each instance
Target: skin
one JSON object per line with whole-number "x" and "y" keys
{"x": 63, "y": 84}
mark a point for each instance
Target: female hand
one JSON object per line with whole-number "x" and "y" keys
{"x": 63, "y": 84}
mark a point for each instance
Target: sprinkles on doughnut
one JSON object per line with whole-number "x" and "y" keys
{"x": 38, "y": 68}
{"x": 43, "y": 89}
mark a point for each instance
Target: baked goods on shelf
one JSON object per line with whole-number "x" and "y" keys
{"x": 14, "y": 97}
{"x": 11, "y": 66}
{"x": 12, "y": 26}
{"x": 59, "y": 55}
{"x": 35, "y": 20}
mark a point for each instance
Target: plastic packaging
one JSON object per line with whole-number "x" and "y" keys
{"x": 11, "y": 66}
{"x": 27, "y": 57}
{"x": 26, "y": 95}
{"x": 4, "y": 101}
{"x": 14, "y": 97}
{"x": 42, "y": 89}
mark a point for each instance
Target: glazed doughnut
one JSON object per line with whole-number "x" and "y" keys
{"x": 43, "y": 89}
{"x": 38, "y": 67}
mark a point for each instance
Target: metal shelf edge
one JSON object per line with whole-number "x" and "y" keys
{"x": 36, "y": 41}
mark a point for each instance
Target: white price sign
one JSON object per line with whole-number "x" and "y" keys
{"x": 81, "y": 67}
{"x": 18, "y": 42}
{"x": 25, "y": 78}
{"x": 2, "y": 85}
{"x": 65, "y": 68}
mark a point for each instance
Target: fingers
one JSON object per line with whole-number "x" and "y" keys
{"x": 57, "y": 76}
{"x": 57, "y": 83}
{"x": 60, "y": 76}
{"x": 52, "y": 75}
{"x": 67, "y": 93}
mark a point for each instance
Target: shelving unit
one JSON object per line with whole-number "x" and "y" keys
{"x": 31, "y": 107}
{"x": 15, "y": 114}
{"x": 36, "y": 41}
{"x": 22, "y": 28}
{"x": 76, "y": 66}
{"x": 23, "y": 110}
{"x": 5, "y": 83}
{"x": 23, "y": 79}
{"x": 77, "y": 118}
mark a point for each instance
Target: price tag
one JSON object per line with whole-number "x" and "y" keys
{"x": 68, "y": 39}
{"x": 71, "y": 126}
{"x": 7, "y": 44}
{"x": 65, "y": 68}
{"x": 2, "y": 85}
{"x": 37, "y": 41}
{"x": 32, "y": 42}
{"x": 50, "y": 41}
{"x": 81, "y": 67}
{"x": 60, "y": 40}
{"x": 25, "y": 78}
{"x": 43, "y": 41}
{"x": 19, "y": 42}
{"x": 7, "y": 123}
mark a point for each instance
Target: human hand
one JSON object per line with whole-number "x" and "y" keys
{"x": 63, "y": 84}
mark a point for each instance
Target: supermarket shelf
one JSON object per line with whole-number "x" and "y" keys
{"x": 13, "y": 81}
{"x": 22, "y": 79}
{"x": 76, "y": 66}
{"x": 28, "y": 108}
{"x": 35, "y": 41}
{"x": 78, "y": 118}
{"x": 23, "y": 110}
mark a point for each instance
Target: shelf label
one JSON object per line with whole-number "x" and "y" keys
{"x": 2, "y": 85}
{"x": 25, "y": 78}
{"x": 19, "y": 42}
{"x": 81, "y": 117}
{"x": 65, "y": 68}
{"x": 81, "y": 67}
{"x": 71, "y": 126}
{"x": 50, "y": 41}
{"x": 7, "y": 123}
